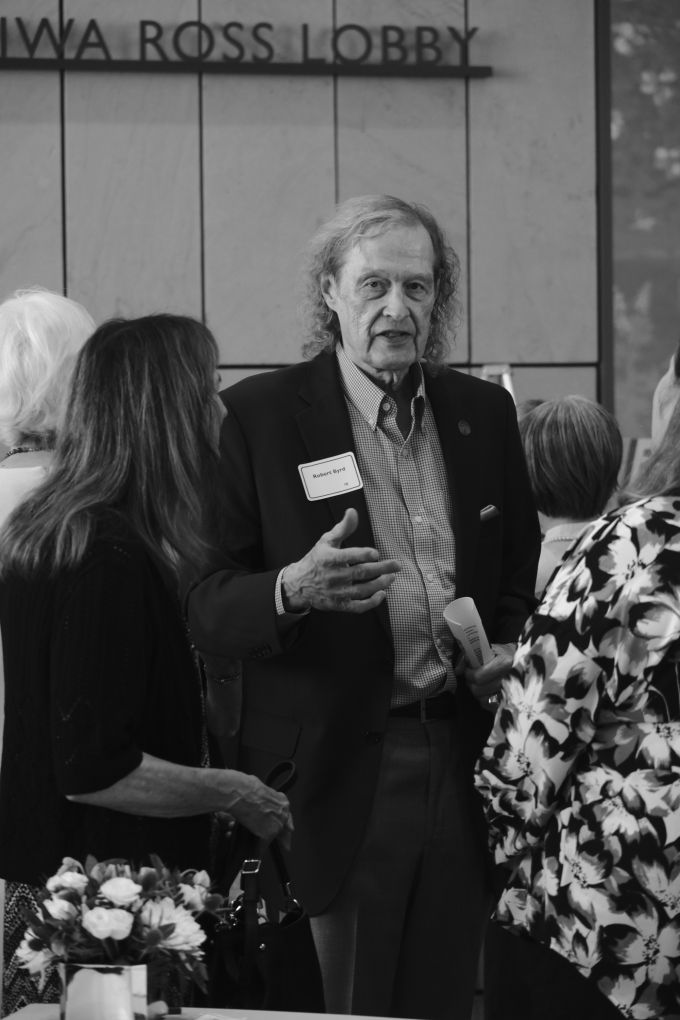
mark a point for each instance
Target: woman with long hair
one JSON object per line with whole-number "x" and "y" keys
{"x": 103, "y": 735}
{"x": 581, "y": 774}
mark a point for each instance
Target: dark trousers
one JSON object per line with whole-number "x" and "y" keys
{"x": 402, "y": 938}
{"x": 524, "y": 980}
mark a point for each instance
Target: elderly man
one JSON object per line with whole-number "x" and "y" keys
{"x": 365, "y": 489}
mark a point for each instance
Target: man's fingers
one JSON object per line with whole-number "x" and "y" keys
{"x": 372, "y": 570}
{"x": 362, "y": 589}
{"x": 353, "y": 605}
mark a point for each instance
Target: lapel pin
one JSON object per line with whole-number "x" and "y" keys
{"x": 464, "y": 427}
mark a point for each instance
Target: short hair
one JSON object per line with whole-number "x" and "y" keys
{"x": 370, "y": 216}
{"x": 526, "y": 406}
{"x": 140, "y": 438}
{"x": 573, "y": 449}
{"x": 40, "y": 334}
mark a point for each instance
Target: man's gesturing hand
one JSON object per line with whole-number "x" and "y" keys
{"x": 348, "y": 580}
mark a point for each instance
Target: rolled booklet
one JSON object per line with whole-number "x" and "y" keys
{"x": 468, "y": 630}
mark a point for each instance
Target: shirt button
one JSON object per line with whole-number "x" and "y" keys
{"x": 430, "y": 577}
{"x": 418, "y": 519}
{"x": 386, "y": 405}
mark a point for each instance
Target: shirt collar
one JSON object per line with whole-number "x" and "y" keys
{"x": 366, "y": 396}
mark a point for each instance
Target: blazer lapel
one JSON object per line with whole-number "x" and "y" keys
{"x": 326, "y": 432}
{"x": 457, "y": 423}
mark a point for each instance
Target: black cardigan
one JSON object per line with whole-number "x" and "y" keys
{"x": 98, "y": 669}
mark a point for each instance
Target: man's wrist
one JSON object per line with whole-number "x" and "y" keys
{"x": 291, "y": 600}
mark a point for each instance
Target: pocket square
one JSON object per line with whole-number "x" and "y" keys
{"x": 487, "y": 512}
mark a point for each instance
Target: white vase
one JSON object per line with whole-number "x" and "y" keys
{"x": 104, "y": 991}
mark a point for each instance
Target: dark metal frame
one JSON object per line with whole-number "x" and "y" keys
{"x": 315, "y": 68}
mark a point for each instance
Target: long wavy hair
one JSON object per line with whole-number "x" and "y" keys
{"x": 139, "y": 441}
{"x": 660, "y": 473}
{"x": 369, "y": 216}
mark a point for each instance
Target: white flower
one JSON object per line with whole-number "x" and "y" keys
{"x": 67, "y": 880}
{"x": 186, "y": 936}
{"x": 108, "y": 924}
{"x": 659, "y": 743}
{"x": 202, "y": 878}
{"x": 651, "y": 945}
{"x": 662, "y": 886}
{"x": 632, "y": 570}
{"x": 579, "y": 944}
{"x": 60, "y": 910}
{"x": 35, "y": 961}
{"x": 193, "y": 896}
{"x": 122, "y": 892}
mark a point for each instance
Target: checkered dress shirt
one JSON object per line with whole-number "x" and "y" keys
{"x": 410, "y": 510}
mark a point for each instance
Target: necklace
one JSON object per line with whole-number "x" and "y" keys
{"x": 22, "y": 449}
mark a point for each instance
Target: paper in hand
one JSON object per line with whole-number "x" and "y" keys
{"x": 466, "y": 626}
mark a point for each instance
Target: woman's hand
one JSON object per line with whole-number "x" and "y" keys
{"x": 264, "y": 811}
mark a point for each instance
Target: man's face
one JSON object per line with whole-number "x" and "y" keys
{"x": 383, "y": 297}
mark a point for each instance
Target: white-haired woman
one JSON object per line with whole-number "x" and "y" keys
{"x": 40, "y": 335}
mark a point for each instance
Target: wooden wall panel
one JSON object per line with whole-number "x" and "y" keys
{"x": 268, "y": 182}
{"x": 132, "y": 178}
{"x": 407, "y": 137}
{"x": 229, "y": 376}
{"x": 552, "y": 382}
{"x": 30, "y": 171}
{"x": 532, "y": 196}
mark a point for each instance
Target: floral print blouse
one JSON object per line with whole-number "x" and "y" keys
{"x": 581, "y": 774}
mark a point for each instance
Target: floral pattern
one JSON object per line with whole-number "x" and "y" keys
{"x": 581, "y": 774}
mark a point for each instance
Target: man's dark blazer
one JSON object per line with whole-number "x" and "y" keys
{"x": 320, "y": 694}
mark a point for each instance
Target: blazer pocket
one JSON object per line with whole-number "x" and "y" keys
{"x": 271, "y": 733}
{"x": 488, "y": 513}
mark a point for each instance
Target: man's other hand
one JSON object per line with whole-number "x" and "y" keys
{"x": 485, "y": 681}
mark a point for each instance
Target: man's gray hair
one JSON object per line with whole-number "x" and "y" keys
{"x": 369, "y": 216}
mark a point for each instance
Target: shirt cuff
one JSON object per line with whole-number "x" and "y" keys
{"x": 278, "y": 594}
{"x": 278, "y": 599}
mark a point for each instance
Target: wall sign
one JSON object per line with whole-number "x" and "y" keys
{"x": 237, "y": 48}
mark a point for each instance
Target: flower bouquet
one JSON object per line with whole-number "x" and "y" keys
{"x": 106, "y": 912}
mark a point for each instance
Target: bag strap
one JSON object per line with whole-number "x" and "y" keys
{"x": 250, "y": 896}
{"x": 280, "y": 778}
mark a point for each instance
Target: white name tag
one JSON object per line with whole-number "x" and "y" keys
{"x": 331, "y": 476}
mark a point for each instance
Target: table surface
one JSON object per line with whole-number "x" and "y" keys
{"x": 47, "y": 1012}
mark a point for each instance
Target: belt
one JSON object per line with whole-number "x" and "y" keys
{"x": 441, "y": 706}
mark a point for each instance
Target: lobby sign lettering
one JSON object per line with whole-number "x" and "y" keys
{"x": 235, "y": 47}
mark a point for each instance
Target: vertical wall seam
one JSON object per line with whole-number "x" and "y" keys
{"x": 62, "y": 161}
{"x": 336, "y": 126}
{"x": 201, "y": 184}
{"x": 468, "y": 215}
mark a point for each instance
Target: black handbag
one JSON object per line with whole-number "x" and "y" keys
{"x": 264, "y": 964}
